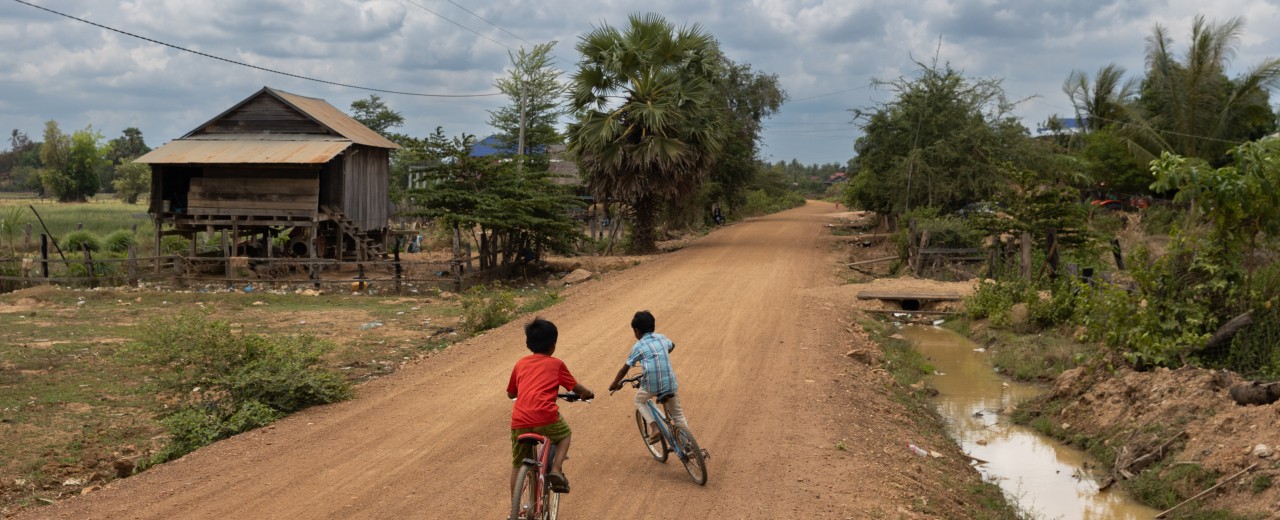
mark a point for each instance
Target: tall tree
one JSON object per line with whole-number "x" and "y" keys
{"x": 1100, "y": 102}
{"x": 748, "y": 98}
{"x": 505, "y": 210}
{"x": 376, "y": 115}
{"x": 942, "y": 142}
{"x": 1193, "y": 108}
{"x": 130, "y": 145}
{"x": 535, "y": 90}
{"x": 649, "y": 123}
{"x": 72, "y": 163}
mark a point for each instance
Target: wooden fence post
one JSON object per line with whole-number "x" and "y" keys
{"x": 88, "y": 265}
{"x": 1115, "y": 251}
{"x": 26, "y": 239}
{"x": 226, "y": 256}
{"x": 1025, "y": 266}
{"x": 133, "y": 265}
{"x": 913, "y": 248}
{"x": 44, "y": 257}
{"x": 1052, "y": 257}
{"x": 396, "y": 256}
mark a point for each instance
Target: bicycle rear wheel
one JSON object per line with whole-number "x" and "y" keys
{"x": 694, "y": 461}
{"x": 657, "y": 449}
{"x": 550, "y": 504}
{"x": 524, "y": 495}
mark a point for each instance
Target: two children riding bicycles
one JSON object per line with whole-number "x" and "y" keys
{"x": 536, "y": 379}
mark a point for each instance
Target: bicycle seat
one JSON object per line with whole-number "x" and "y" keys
{"x": 664, "y": 397}
{"x": 529, "y": 439}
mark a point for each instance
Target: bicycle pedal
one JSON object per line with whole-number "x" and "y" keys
{"x": 706, "y": 454}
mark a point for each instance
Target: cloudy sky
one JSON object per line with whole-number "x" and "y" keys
{"x": 825, "y": 51}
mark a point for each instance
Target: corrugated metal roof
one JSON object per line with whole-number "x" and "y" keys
{"x": 335, "y": 119}
{"x": 248, "y": 149}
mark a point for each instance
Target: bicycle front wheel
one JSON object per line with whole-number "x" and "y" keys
{"x": 657, "y": 449}
{"x": 524, "y": 494}
{"x": 694, "y": 461}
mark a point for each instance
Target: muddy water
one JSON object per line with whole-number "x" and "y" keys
{"x": 1043, "y": 476}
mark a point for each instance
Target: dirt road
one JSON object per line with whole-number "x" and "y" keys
{"x": 761, "y": 335}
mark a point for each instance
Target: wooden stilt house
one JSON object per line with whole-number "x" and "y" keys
{"x": 276, "y": 163}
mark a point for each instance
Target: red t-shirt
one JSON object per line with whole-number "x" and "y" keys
{"x": 536, "y": 379}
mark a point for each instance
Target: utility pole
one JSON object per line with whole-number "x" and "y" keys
{"x": 520, "y": 150}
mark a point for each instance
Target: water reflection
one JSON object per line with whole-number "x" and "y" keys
{"x": 1044, "y": 476}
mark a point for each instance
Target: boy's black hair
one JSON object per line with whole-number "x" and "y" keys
{"x": 540, "y": 335}
{"x": 643, "y": 322}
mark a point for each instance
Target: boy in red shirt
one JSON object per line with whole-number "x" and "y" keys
{"x": 535, "y": 382}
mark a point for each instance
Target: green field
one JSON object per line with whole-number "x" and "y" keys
{"x": 101, "y": 215}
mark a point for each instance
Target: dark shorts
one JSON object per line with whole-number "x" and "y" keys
{"x": 555, "y": 431}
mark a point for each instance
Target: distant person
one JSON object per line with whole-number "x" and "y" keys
{"x": 651, "y": 353}
{"x": 535, "y": 382}
{"x": 716, "y": 215}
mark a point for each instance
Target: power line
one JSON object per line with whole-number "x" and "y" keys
{"x": 831, "y": 93}
{"x": 459, "y": 6}
{"x": 243, "y": 64}
{"x": 472, "y": 31}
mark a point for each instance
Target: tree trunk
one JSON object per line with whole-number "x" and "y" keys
{"x": 643, "y": 239}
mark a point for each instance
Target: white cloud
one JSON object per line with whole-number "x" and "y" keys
{"x": 823, "y": 50}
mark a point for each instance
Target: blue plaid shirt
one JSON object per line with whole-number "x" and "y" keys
{"x": 651, "y": 353}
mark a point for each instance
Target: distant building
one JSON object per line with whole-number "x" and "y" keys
{"x": 1066, "y": 125}
{"x": 835, "y": 178}
{"x": 496, "y": 145}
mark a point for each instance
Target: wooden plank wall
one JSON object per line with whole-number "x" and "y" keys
{"x": 264, "y": 114}
{"x": 364, "y": 191}
{"x": 236, "y": 192}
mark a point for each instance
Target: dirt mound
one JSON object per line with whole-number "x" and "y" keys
{"x": 1178, "y": 417}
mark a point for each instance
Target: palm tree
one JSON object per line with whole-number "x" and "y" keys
{"x": 648, "y": 126}
{"x": 1193, "y": 108}
{"x": 1101, "y": 103}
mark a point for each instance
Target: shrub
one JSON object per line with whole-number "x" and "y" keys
{"x": 484, "y": 308}
{"x": 120, "y": 240}
{"x": 231, "y": 382}
{"x": 994, "y": 300}
{"x": 172, "y": 244}
{"x": 75, "y": 240}
{"x": 1058, "y": 309}
{"x": 1161, "y": 219}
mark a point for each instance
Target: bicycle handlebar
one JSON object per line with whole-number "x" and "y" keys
{"x": 572, "y": 397}
{"x": 635, "y": 382}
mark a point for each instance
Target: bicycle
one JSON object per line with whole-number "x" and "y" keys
{"x": 673, "y": 439}
{"x": 532, "y": 497}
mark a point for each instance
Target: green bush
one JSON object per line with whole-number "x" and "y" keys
{"x": 759, "y": 202}
{"x": 1058, "y": 309}
{"x": 1161, "y": 219}
{"x": 76, "y": 240}
{"x": 484, "y": 308}
{"x": 173, "y": 244}
{"x": 120, "y": 240}
{"x": 231, "y": 382}
{"x": 994, "y": 300}
{"x": 944, "y": 231}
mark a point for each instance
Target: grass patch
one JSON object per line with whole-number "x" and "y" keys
{"x": 1164, "y": 485}
{"x": 75, "y": 402}
{"x": 100, "y": 216}
{"x": 1040, "y": 357}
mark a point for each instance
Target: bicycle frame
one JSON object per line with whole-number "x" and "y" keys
{"x": 660, "y": 417}
{"x": 543, "y": 453}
